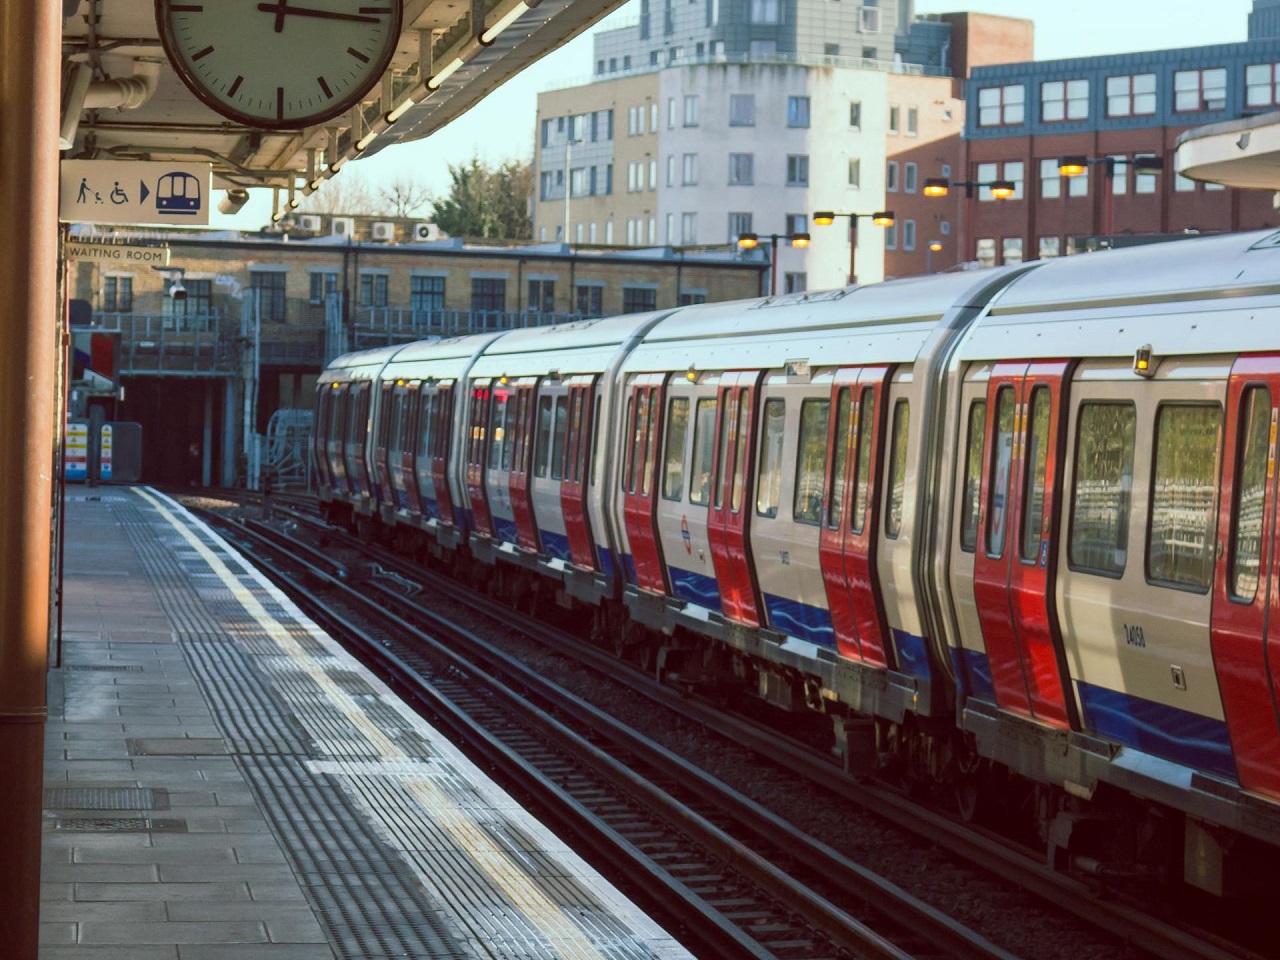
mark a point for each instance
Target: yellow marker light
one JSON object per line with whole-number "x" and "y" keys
{"x": 824, "y": 218}
{"x": 1003, "y": 189}
{"x": 883, "y": 219}
{"x": 799, "y": 239}
{"x": 748, "y": 241}
{"x": 1142, "y": 361}
{"x": 691, "y": 374}
{"x": 1072, "y": 166}
{"x": 936, "y": 186}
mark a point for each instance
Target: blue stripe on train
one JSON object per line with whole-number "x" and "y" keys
{"x": 801, "y": 620}
{"x": 504, "y": 529}
{"x": 1178, "y": 735}
{"x": 555, "y": 545}
{"x": 604, "y": 556}
{"x": 973, "y": 673}
{"x": 912, "y": 654}
{"x": 696, "y": 588}
{"x": 431, "y": 508}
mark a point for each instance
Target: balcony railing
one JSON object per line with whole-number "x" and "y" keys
{"x": 160, "y": 343}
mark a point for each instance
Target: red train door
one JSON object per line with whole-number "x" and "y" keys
{"x": 643, "y": 425}
{"x": 441, "y": 438}
{"x": 1014, "y": 567}
{"x": 1246, "y": 652}
{"x": 521, "y": 463}
{"x": 573, "y": 488}
{"x": 847, "y": 547}
{"x": 476, "y": 448}
{"x": 732, "y": 472}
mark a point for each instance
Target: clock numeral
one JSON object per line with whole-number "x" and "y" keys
{"x": 325, "y": 87}
{"x": 231, "y": 91}
{"x": 375, "y": 9}
{"x": 357, "y": 54}
{"x": 186, "y": 8}
{"x": 200, "y": 55}
{"x": 279, "y": 103}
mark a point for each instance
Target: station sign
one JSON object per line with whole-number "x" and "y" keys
{"x": 116, "y": 253}
{"x": 135, "y": 191}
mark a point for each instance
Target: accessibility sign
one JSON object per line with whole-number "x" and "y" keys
{"x": 134, "y": 191}
{"x": 117, "y": 253}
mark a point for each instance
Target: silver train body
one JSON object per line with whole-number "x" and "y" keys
{"x": 1012, "y": 530}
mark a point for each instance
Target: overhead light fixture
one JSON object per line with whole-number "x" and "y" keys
{"x": 439, "y": 78}
{"x": 748, "y": 241}
{"x": 935, "y": 245}
{"x": 884, "y": 218}
{"x": 510, "y": 17}
{"x": 367, "y": 139}
{"x": 400, "y": 111}
{"x": 315, "y": 184}
{"x": 936, "y": 186}
{"x": 824, "y": 218}
{"x": 1072, "y": 166}
{"x": 236, "y": 198}
{"x": 1003, "y": 189}
{"x": 799, "y": 239}
{"x": 1148, "y": 164}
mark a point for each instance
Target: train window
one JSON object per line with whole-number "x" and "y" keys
{"x": 839, "y": 457}
{"x": 498, "y": 437}
{"x": 426, "y": 421}
{"x": 595, "y": 438}
{"x": 673, "y": 456}
{"x": 510, "y": 431}
{"x": 722, "y": 443}
{"x": 543, "y": 449}
{"x": 557, "y": 439}
{"x": 1251, "y": 489}
{"x": 769, "y": 480}
{"x": 1102, "y": 495}
{"x": 1183, "y": 490}
{"x": 704, "y": 431}
{"x": 395, "y": 443}
{"x": 811, "y": 461}
{"x": 649, "y": 450}
{"x": 1037, "y": 459}
{"x": 898, "y": 469}
{"x": 862, "y": 492}
{"x": 740, "y": 454}
{"x": 575, "y": 431}
{"x": 628, "y": 453}
{"x": 972, "y": 493}
{"x": 1001, "y": 468}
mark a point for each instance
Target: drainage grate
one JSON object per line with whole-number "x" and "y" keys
{"x": 118, "y": 825}
{"x": 105, "y": 798}
{"x": 111, "y": 667}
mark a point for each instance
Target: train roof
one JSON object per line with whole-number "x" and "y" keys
{"x": 584, "y": 346}
{"x": 448, "y": 348}
{"x": 374, "y": 356}
{"x": 1194, "y": 296}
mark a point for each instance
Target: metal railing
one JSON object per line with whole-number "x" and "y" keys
{"x": 161, "y": 343}
{"x": 382, "y": 326}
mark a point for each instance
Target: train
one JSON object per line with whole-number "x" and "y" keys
{"x": 1011, "y": 532}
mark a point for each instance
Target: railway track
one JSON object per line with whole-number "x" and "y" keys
{"x": 737, "y": 880}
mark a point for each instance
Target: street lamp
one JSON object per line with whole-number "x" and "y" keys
{"x": 568, "y": 179}
{"x": 941, "y": 186}
{"x": 749, "y": 241}
{"x": 882, "y": 218}
{"x": 931, "y": 248}
{"x": 1077, "y": 165}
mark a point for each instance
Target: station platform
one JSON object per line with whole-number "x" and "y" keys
{"x": 224, "y": 782}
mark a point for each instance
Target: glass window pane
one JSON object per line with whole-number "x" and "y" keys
{"x": 1102, "y": 493}
{"x": 1181, "y": 538}
{"x": 673, "y": 457}
{"x": 704, "y": 431}
{"x": 1001, "y": 467}
{"x": 898, "y": 469}
{"x": 740, "y": 454}
{"x": 844, "y": 427}
{"x": 769, "y": 481}
{"x": 509, "y": 431}
{"x": 972, "y": 495}
{"x": 1037, "y": 460}
{"x": 544, "y": 437}
{"x": 497, "y": 416}
{"x": 1251, "y": 488}
{"x": 811, "y": 461}
{"x": 862, "y": 492}
{"x": 723, "y": 443}
{"x": 646, "y": 451}
{"x": 557, "y": 440}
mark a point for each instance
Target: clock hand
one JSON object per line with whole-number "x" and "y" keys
{"x": 281, "y": 8}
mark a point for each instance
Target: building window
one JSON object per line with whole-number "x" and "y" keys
{"x": 739, "y": 223}
{"x": 1132, "y": 95}
{"x": 797, "y": 111}
{"x": 891, "y": 176}
{"x": 895, "y": 115}
{"x": 908, "y": 234}
{"x": 1050, "y": 247}
{"x": 797, "y": 223}
{"x": 688, "y": 228}
{"x": 488, "y": 294}
{"x": 689, "y": 170}
{"x": 742, "y": 110}
{"x": 426, "y": 294}
{"x": 117, "y": 294}
{"x": 985, "y": 252}
{"x": 322, "y": 284}
{"x": 1119, "y": 176}
{"x": 373, "y": 289}
{"x": 855, "y": 172}
{"x": 741, "y": 169}
{"x": 268, "y": 294}
{"x": 855, "y": 114}
{"x": 1183, "y": 184}
{"x": 639, "y": 299}
{"x": 913, "y": 121}
{"x": 1144, "y": 181}
{"x": 762, "y": 50}
{"x": 670, "y": 227}
{"x": 795, "y": 282}
{"x": 691, "y": 110}
{"x": 542, "y": 296}
{"x": 671, "y": 169}
{"x": 653, "y": 112}
{"x": 1197, "y": 90}
{"x": 653, "y": 174}
{"x": 1011, "y": 250}
{"x": 1064, "y": 100}
{"x": 1262, "y": 84}
{"x": 1051, "y": 179}
{"x": 1013, "y": 170}
{"x": 1180, "y": 538}
{"x": 797, "y": 170}
{"x": 910, "y": 173}
{"x": 1001, "y": 106}
{"x": 589, "y": 300}
{"x": 766, "y": 11}
{"x": 891, "y": 237}
{"x": 689, "y": 297}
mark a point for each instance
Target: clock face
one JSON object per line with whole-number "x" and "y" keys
{"x": 279, "y": 64}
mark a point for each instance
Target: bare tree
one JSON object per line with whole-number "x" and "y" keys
{"x": 347, "y": 194}
{"x": 405, "y": 195}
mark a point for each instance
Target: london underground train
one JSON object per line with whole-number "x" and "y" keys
{"x": 1013, "y": 531}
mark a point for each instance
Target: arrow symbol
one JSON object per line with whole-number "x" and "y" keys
{"x": 143, "y": 192}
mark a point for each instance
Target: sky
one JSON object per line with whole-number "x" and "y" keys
{"x": 1076, "y": 28}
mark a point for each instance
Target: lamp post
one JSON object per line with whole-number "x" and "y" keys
{"x": 930, "y": 249}
{"x": 568, "y": 177}
{"x": 1078, "y": 165}
{"x": 941, "y": 186}
{"x": 882, "y": 218}
{"x": 749, "y": 241}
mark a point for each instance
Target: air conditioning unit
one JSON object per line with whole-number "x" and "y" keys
{"x": 384, "y": 231}
{"x": 426, "y": 231}
{"x": 343, "y": 227}
{"x": 309, "y": 222}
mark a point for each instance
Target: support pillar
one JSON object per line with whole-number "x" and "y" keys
{"x": 30, "y": 57}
